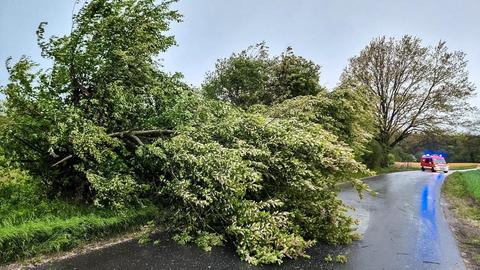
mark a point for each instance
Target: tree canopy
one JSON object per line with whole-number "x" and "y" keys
{"x": 104, "y": 80}
{"x": 254, "y": 77}
{"x": 340, "y": 112}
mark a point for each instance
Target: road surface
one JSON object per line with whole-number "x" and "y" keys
{"x": 403, "y": 227}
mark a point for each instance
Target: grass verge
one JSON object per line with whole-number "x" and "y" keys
{"x": 32, "y": 225}
{"x": 462, "y": 192}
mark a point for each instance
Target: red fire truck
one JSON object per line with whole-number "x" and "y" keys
{"x": 434, "y": 163}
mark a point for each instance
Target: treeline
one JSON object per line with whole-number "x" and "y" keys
{"x": 251, "y": 158}
{"x": 455, "y": 147}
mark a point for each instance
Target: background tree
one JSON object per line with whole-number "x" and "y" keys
{"x": 254, "y": 77}
{"x": 293, "y": 76}
{"x": 413, "y": 87}
{"x": 241, "y": 79}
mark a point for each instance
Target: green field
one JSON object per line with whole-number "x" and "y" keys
{"x": 32, "y": 225}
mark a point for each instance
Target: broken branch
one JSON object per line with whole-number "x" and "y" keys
{"x": 62, "y": 160}
{"x": 142, "y": 132}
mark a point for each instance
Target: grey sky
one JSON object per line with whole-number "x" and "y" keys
{"x": 328, "y": 32}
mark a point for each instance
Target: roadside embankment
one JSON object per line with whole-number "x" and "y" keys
{"x": 32, "y": 225}
{"x": 462, "y": 195}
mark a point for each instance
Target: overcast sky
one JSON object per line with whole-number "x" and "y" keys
{"x": 328, "y": 32}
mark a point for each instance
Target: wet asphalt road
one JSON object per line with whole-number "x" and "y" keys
{"x": 403, "y": 227}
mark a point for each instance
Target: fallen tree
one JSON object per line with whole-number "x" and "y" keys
{"x": 106, "y": 126}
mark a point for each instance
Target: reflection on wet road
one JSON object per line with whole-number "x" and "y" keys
{"x": 403, "y": 227}
{"x": 407, "y": 228}
{"x": 428, "y": 245}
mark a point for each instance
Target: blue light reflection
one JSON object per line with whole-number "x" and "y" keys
{"x": 427, "y": 241}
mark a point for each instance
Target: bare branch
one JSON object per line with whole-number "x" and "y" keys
{"x": 131, "y": 134}
{"x": 142, "y": 132}
{"x": 137, "y": 139}
{"x": 62, "y": 160}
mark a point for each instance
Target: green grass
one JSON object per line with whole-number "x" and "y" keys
{"x": 464, "y": 188}
{"x": 464, "y": 184}
{"x": 476, "y": 258}
{"x": 32, "y": 225}
{"x": 472, "y": 183}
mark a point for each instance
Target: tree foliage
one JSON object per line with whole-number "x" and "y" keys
{"x": 341, "y": 112}
{"x": 276, "y": 191}
{"x": 413, "y": 87}
{"x": 254, "y": 77}
{"x": 104, "y": 80}
{"x": 105, "y": 125}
